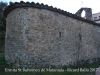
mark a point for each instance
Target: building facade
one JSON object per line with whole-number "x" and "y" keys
{"x": 96, "y": 17}
{"x": 39, "y": 36}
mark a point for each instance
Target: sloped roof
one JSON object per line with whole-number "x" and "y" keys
{"x": 15, "y": 5}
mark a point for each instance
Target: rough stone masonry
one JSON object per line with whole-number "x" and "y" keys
{"x": 39, "y": 35}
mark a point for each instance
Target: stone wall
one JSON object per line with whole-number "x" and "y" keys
{"x": 88, "y": 13}
{"x": 40, "y": 37}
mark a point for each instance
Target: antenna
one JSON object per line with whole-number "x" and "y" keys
{"x": 82, "y": 3}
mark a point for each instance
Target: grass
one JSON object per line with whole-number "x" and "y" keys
{"x": 3, "y": 65}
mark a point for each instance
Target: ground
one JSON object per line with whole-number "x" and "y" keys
{"x": 3, "y": 65}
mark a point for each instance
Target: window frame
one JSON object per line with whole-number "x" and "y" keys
{"x": 95, "y": 18}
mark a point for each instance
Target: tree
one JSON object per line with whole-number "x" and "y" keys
{"x": 3, "y": 5}
{"x": 2, "y": 33}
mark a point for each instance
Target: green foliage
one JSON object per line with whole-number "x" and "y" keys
{"x": 2, "y": 26}
{"x": 3, "y": 5}
{"x": 2, "y": 32}
{"x": 3, "y": 63}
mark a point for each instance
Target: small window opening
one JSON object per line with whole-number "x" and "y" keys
{"x": 95, "y": 18}
{"x": 83, "y": 14}
{"x": 59, "y": 34}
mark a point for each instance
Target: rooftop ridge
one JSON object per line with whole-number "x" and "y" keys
{"x": 12, "y": 6}
{"x": 96, "y": 13}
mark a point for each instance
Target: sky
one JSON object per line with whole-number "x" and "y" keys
{"x": 71, "y": 6}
